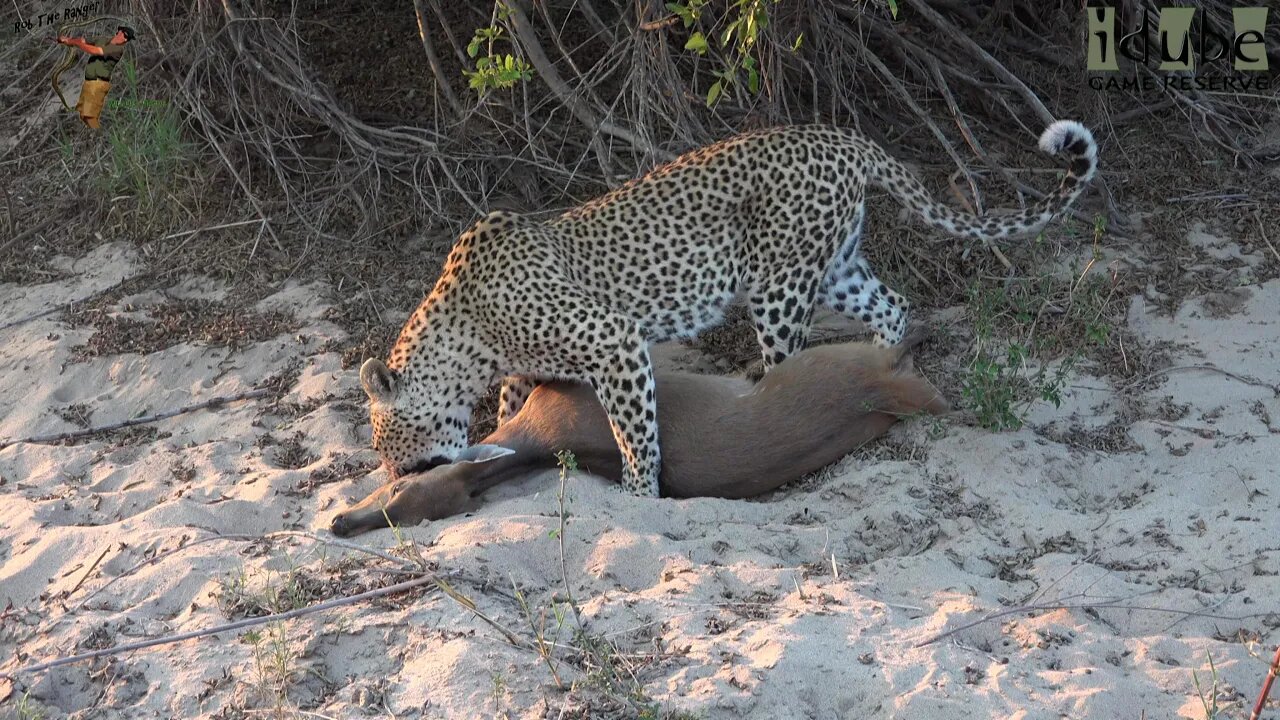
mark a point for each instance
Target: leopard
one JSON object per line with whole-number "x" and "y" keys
{"x": 774, "y": 216}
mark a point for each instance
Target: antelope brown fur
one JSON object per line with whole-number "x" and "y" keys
{"x": 721, "y": 437}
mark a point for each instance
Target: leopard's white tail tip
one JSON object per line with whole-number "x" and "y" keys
{"x": 1070, "y": 136}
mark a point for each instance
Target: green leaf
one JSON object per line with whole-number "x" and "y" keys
{"x": 753, "y": 81}
{"x": 893, "y": 8}
{"x": 728, "y": 33}
{"x": 473, "y": 47}
{"x": 686, "y": 14}
{"x": 795, "y": 46}
{"x": 697, "y": 42}
{"x": 714, "y": 93}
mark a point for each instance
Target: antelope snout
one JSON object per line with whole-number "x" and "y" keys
{"x": 341, "y": 525}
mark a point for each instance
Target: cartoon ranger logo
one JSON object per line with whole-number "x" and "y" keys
{"x": 103, "y": 53}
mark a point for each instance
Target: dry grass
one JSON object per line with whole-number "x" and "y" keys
{"x": 293, "y": 165}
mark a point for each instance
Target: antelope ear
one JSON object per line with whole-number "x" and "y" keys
{"x": 483, "y": 453}
{"x": 378, "y": 381}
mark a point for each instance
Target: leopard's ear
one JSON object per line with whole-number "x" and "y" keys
{"x": 378, "y": 380}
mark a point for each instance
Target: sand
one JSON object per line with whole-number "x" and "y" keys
{"x": 1076, "y": 568}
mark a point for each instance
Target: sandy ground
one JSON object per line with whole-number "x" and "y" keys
{"x": 951, "y": 573}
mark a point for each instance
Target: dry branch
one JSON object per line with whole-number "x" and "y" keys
{"x": 428, "y": 49}
{"x": 227, "y": 627}
{"x": 589, "y": 118}
{"x": 87, "y": 432}
{"x": 242, "y": 77}
{"x": 1005, "y": 74}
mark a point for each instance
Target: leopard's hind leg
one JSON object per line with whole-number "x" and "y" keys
{"x": 782, "y": 315}
{"x": 783, "y": 276}
{"x": 852, "y": 289}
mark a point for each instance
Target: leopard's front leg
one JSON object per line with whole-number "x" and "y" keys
{"x": 624, "y": 384}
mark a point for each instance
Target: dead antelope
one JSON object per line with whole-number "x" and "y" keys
{"x": 721, "y": 437}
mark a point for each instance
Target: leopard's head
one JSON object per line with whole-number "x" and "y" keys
{"x": 420, "y": 415}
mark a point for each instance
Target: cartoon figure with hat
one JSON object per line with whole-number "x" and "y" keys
{"x": 104, "y": 53}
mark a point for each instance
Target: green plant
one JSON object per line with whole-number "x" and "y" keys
{"x": 606, "y": 669}
{"x": 739, "y": 42}
{"x": 494, "y": 70}
{"x": 568, "y": 463}
{"x": 66, "y": 151}
{"x": 1023, "y": 325}
{"x": 26, "y": 710}
{"x": 999, "y": 387}
{"x": 499, "y": 690}
{"x": 147, "y": 155}
{"x": 241, "y": 594}
{"x": 274, "y": 665}
{"x": 1210, "y": 701}
{"x": 538, "y": 626}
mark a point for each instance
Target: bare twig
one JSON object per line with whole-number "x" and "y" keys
{"x": 893, "y": 82}
{"x": 33, "y": 316}
{"x": 88, "y": 572}
{"x": 19, "y": 237}
{"x": 403, "y": 564}
{"x": 585, "y": 115}
{"x": 228, "y": 627}
{"x": 598, "y": 26}
{"x": 1100, "y": 605}
{"x": 1028, "y": 96}
{"x": 1208, "y": 368}
{"x": 74, "y": 434}
{"x": 963, "y": 124}
{"x": 651, "y": 25}
{"x": 222, "y": 226}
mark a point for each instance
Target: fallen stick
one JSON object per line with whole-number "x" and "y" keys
{"x": 74, "y": 434}
{"x": 223, "y": 226}
{"x": 69, "y": 303}
{"x": 89, "y": 572}
{"x": 405, "y": 564}
{"x": 1266, "y": 686}
{"x": 247, "y": 622}
{"x": 1104, "y": 605}
{"x": 33, "y": 316}
{"x": 1210, "y": 368}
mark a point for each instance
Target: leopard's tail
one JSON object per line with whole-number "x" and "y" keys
{"x": 1064, "y": 136}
